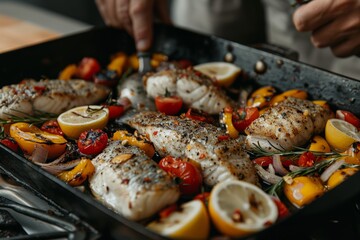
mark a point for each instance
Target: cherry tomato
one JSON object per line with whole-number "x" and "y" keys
{"x": 307, "y": 159}
{"x": 115, "y": 111}
{"x": 348, "y": 117}
{"x": 87, "y": 68}
{"x": 168, "y": 105}
{"x": 106, "y": 77}
{"x": 263, "y": 161}
{"x": 92, "y": 142}
{"x": 197, "y": 115}
{"x": 283, "y": 211}
{"x": 52, "y": 126}
{"x": 183, "y": 63}
{"x": 243, "y": 117}
{"x": 190, "y": 177}
{"x": 204, "y": 197}
{"x": 168, "y": 210}
{"x": 10, "y": 143}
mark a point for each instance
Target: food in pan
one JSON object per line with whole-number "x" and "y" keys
{"x": 131, "y": 183}
{"x": 168, "y": 142}
{"x": 51, "y": 96}
{"x": 219, "y": 159}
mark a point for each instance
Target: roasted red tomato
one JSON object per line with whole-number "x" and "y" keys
{"x": 92, "y": 142}
{"x": 52, "y": 126}
{"x": 204, "y": 197}
{"x": 242, "y": 117}
{"x": 348, "y": 117}
{"x": 168, "y": 105}
{"x": 263, "y": 161}
{"x": 307, "y": 159}
{"x": 115, "y": 111}
{"x": 10, "y": 143}
{"x": 283, "y": 211}
{"x": 183, "y": 63}
{"x": 189, "y": 176}
{"x": 195, "y": 115}
{"x": 87, "y": 68}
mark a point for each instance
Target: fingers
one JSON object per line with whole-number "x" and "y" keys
{"x": 123, "y": 16}
{"x": 316, "y": 13}
{"x": 162, "y": 11}
{"x": 141, "y": 14}
{"x": 348, "y": 47}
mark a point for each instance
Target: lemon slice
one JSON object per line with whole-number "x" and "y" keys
{"x": 77, "y": 120}
{"x": 238, "y": 208}
{"x": 192, "y": 222}
{"x": 340, "y": 134}
{"x": 224, "y": 73}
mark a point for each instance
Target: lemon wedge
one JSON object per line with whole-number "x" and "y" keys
{"x": 224, "y": 73}
{"x": 238, "y": 208}
{"x": 192, "y": 222}
{"x": 340, "y": 134}
{"x": 77, "y": 120}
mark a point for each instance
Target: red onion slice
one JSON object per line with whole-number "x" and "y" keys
{"x": 331, "y": 169}
{"x": 279, "y": 168}
{"x": 39, "y": 154}
{"x": 266, "y": 176}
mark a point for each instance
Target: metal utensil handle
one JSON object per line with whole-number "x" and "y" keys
{"x": 144, "y": 62}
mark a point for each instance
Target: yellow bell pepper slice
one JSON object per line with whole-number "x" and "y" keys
{"x": 118, "y": 63}
{"x": 78, "y": 174}
{"x": 68, "y": 72}
{"x": 340, "y": 175}
{"x": 132, "y": 140}
{"x": 296, "y": 93}
{"x": 319, "y": 144}
{"x": 29, "y": 136}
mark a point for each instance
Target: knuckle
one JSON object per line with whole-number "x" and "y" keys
{"x": 138, "y": 8}
{"x": 299, "y": 22}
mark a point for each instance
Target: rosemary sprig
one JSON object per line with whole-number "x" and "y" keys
{"x": 259, "y": 152}
{"x": 38, "y": 118}
{"x": 316, "y": 168}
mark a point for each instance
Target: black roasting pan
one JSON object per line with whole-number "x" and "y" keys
{"x": 47, "y": 59}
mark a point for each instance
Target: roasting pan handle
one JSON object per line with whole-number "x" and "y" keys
{"x": 277, "y": 50}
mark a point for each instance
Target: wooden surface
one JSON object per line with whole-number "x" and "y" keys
{"x": 15, "y": 33}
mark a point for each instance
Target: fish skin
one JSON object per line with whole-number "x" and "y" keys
{"x": 136, "y": 188}
{"x": 196, "y": 90}
{"x": 199, "y": 142}
{"x": 280, "y": 128}
{"x": 52, "y": 96}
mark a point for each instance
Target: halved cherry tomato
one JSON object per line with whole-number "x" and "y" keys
{"x": 183, "y": 63}
{"x": 243, "y": 117}
{"x": 10, "y": 143}
{"x": 92, "y": 142}
{"x": 189, "y": 175}
{"x": 283, "y": 211}
{"x": 87, "y": 68}
{"x": 168, "y": 105}
{"x": 197, "y": 115}
{"x": 263, "y": 161}
{"x": 204, "y": 197}
{"x": 52, "y": 126}
{"x": 168, "y": 211}
{"x": 348, "y": 117}
{"x": 115, "y": 111}
{"x": 307, "y": 159}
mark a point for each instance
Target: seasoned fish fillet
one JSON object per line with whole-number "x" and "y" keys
{"x": 219, "y": 160}
{"x": 53, "y": 96}
{"x": 280, "y": 128}
{"x": 196, "y": 90}
{"x": 289, "y": 124}
{"x": 318, "y": 114}
{"x": 130, "y": 183}
{"x": 133, "y": 89}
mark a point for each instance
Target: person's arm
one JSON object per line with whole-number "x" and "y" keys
{"x": 135, "y": 16}
{"x": 333, "y": 23}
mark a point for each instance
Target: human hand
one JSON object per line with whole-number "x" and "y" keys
{"x": 135, "y": 16}
{"x": 333, "y": 23}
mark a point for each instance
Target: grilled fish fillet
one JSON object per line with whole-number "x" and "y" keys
{"x": 53, "y": 96}
{"x": 196, "y": 90}
{"x": 289, "y": 124}
{"x": 198, "y": 141}
{"x": 130, "y": 183}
